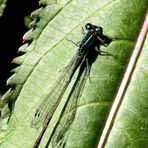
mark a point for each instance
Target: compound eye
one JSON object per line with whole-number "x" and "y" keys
{"x": 98, "y": 30}
{"x": 88, "y": 26}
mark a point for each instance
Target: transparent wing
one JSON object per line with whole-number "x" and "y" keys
{"x": 61, "y": 132}
{"x": 53, "y": 97}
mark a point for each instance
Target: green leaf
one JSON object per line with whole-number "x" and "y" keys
{"x": 2, "y": 6}
{"x": 131, "y": 122}
{"x": 48, "y": 51}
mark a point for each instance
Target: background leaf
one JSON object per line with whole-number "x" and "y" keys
{"x": 2, "y": 6}
{"x": 47, "y": 51}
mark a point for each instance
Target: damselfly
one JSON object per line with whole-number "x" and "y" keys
{"x": 88, "y": 50}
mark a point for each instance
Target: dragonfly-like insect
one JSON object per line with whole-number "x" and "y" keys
{"x": 88, "y": 51}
